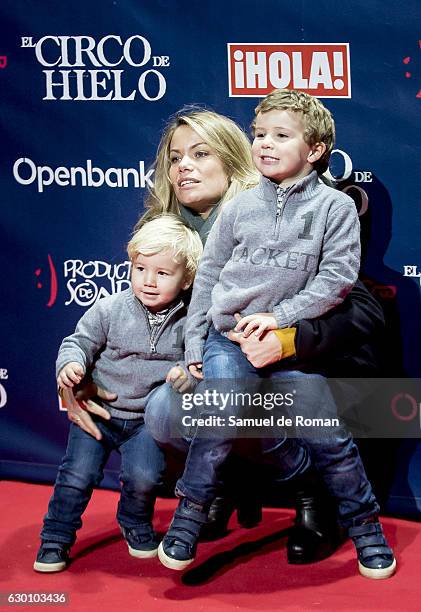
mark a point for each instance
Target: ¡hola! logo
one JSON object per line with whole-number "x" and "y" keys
{"x": 80, "y": 68}
{"x": 320, "y": 69}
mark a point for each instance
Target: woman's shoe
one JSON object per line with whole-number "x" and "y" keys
{"x": 316, "y": 533}
{"x": 249, "y": 514}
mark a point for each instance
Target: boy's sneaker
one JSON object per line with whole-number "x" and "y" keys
{"x": 142, "y": 541}
{"x": 52, "y": 557}
{"x": 375, "y": 557}
{"x": 178, "y": 548}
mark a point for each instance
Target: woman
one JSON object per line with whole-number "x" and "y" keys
{"x": 203, "y": 160}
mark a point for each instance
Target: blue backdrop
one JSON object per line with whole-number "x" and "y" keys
{"x": 85, "y": 90}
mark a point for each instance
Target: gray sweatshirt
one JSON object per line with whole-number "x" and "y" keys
{"x": 293, "y": 252}
{"x": 114, "y": 338}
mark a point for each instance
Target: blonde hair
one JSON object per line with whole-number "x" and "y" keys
{"x": 168, "y": 233}
{"x": 224, "y": 136}
{"x": 319, "y": 125}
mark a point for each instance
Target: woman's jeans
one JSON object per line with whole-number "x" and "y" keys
{"x": 332, "y": 452}
{"x": 82, "y": 469}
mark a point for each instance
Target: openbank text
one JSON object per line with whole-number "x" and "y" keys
{"x": 26, "y": 172}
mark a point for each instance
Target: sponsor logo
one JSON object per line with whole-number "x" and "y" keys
{"x": 412, "y": 272}
{"x": 52, "y": 281}
{"x": 320, "y": 69}
{"x": 82, "y": 68}
{"x": 4, "y": 375}
{"x": 88, "y": 282}
{"x": 405, "y": 407}
{"x": 62, "y": 405}
{"x": 85, "y": 282}
{"x": 343, "y": 165}
{"x": 410, "y": 66}
{"x": 26, "y": 172}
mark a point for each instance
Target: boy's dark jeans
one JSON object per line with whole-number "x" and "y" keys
{"x": 334, "y": 454}
{"x": 82, "y": 469}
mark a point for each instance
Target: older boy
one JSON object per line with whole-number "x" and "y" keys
{"x": 129, "y": 342}
{"x": 285, "y": 250}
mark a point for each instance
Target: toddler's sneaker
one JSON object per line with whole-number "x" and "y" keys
{"x": 52, "y": 557}
{"x": 142, "y": 541}
{"x": 178, "y": 548}
{"x": 375, "y": 557}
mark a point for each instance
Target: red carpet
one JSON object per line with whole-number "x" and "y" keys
{"x": 247, "y": 570}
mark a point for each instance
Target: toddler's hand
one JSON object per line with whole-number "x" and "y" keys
{"x": 70, "y": 375}
{"x": 178, "y": 379}
{"x": 261, "y": 322}
{"x": 195, "y": 370}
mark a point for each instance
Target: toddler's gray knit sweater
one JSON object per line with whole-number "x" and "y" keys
{"x": 114, "y": 339}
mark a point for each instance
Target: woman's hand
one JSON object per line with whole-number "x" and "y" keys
{"x": 260, "y": 321}
{"x": 178, "y": 379}
{"x": 195, "y": 370}
{"x": 80, "y": 405}
{"x": 260, "y": 352}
